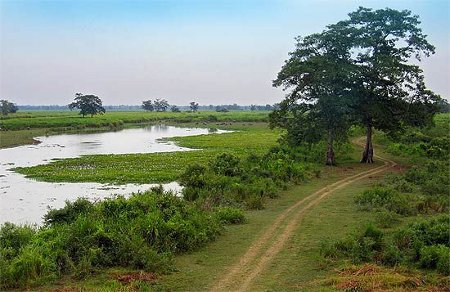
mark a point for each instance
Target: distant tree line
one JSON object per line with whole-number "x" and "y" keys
{"x": 175, "y": 108}
{"x": 161, "y": 105}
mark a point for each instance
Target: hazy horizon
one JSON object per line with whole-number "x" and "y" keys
{"x": 213, "y": 52}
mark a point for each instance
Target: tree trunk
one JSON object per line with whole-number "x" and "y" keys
{"x": 367, "y": 156}
{"x": 330, "y": 151}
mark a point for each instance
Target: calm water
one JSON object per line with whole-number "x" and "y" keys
{"x": 25, "y": 200}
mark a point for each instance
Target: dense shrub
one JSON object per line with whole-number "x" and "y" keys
{"x": 230, "y": 180}
{"x": 424, "y": 243}
{"x": 230, "y": 215}
{"x": 384, "y": 198}
{"x": 141, "y": 232}
{"x": 226, "y": 164}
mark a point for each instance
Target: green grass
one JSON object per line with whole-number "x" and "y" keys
{"x": 156, "y": 167}
{"x": 71, "y": 120}
{"x": 20, "y": 137}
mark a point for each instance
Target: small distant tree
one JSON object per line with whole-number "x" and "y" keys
{"x": 87, "y": 104}
{"x": 253, "y": 107}
{"x": 221, "y": 109}
{"x": 175, "y": 109}
{"x": 161, "y": 105}
{"x": 148, "y": 105}
{"x": 8, "y": 107}
{"x": 194, "y": 106}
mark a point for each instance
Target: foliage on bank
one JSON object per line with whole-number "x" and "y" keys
{"x": 141, "y": 232}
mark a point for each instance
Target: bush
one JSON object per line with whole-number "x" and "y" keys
{"x": 69, "y": 212}
{"x": 386, "y": 219}
{"x": 384, "y": 198}
{"x": 230, "y": 215}
{"x": 226, "y": 164}
{"x": 435, "y": 257}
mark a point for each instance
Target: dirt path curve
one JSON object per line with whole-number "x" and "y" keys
{"x": 264, "y": 249}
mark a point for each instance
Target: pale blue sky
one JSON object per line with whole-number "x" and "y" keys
{"x": 213, "y": 52}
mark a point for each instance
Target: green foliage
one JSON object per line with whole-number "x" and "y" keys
{"x": 247, "y": 182}
{"x": 424, "y": 244}
{"x": 87, "y": 104}
{"x": 226, "y": 164}
{"x": 7, "y": 107}
{"x": 230, "y": 215}
{"x": 141, "y": 232}
{"x": 435, "y": 257}
{"x": 69, "y": 212}
{"x": 422, "y": 189}
{"x": 384, "y": 198}
{"x": 386, "y": 219}
{"x": 155, "y": 167}
{"x": 319, "y": 73}
{"x": 148, "y": 105}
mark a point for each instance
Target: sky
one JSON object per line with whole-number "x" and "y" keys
{"x": 212, "y": 52}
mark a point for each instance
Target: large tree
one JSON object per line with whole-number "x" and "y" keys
{"x": 390, "y": 89}
{"x": 148, "y": 105}
{"x": 161, "y": 105}
{"x": 318, "y": 73}
{"x": 87, "y": 104}
{"x": 193, "y": 106}
{"x": 7, "y": 107}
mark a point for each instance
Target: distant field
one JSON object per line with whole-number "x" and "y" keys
{"x": 20, "y": 128}
{"x": 67, "y": 119}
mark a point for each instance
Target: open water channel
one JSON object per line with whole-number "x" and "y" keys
{"x": 24, "y": 200}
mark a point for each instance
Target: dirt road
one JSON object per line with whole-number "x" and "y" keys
{"x": 240, "y": 276}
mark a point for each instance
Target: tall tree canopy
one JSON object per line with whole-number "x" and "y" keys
{"x": 7, "y": 107}
{"x": 87, "y": 104}
{"x": 390, "y": 89}
{"x": 161, "y": 105}
{"x": 147, "y": 105}
{"x": 318, "y": 74}
{"x": 193, "y": 106}
{"x": 359, "y": 71}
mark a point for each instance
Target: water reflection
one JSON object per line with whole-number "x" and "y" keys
{"x": 25, "y": 200}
